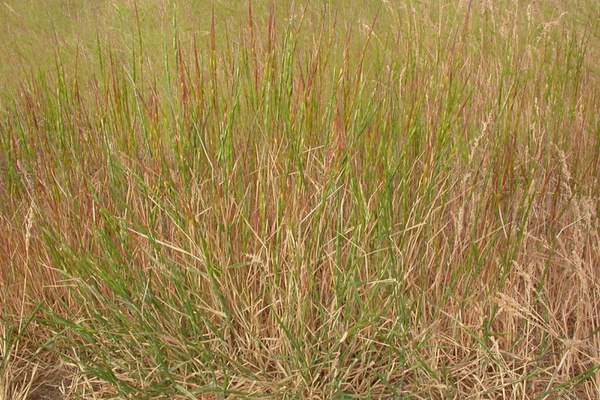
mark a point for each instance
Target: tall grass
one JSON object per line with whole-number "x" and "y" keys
{"x": 300, "y": 200}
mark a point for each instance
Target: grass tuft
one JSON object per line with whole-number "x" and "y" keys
{"x": 290, "y": 200}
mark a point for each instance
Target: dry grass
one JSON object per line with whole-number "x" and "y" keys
{"x": 300, "y": 200}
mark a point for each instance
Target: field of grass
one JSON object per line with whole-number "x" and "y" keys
{"x": 374, "y": 199}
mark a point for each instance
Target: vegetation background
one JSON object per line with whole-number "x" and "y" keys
{"x": 299, "y": 199}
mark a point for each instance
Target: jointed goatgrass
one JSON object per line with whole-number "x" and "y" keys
{"x": 300, "y": 200}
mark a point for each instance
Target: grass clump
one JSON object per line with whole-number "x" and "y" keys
{"x": 300, "y": 200}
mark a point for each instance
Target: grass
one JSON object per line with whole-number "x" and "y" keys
{"x": 296, "y": 199}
